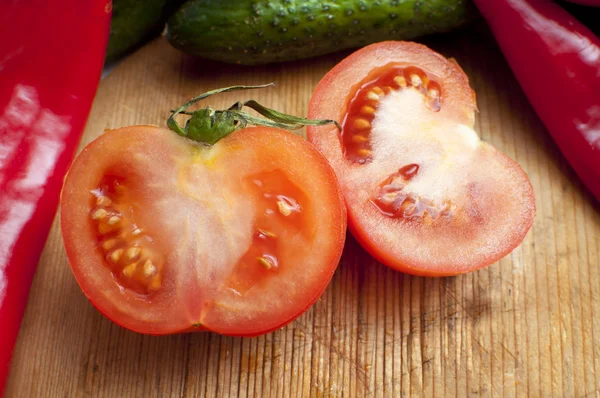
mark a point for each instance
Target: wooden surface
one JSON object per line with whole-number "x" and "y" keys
{"x": 528, "y": 325}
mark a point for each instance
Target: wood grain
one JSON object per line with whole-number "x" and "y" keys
{"x": 528, "y": 325}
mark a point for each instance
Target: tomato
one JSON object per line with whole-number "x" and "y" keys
{"x": 424, "y": 194}
{"x": 165, "y": 234}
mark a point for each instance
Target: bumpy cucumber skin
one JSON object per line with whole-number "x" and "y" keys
{"x": 259, "y": 32}
{"x": 135, "y": 20}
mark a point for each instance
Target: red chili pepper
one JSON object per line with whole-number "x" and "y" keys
{"x": 51, "y": 56}
{"x": 557, "y": 62}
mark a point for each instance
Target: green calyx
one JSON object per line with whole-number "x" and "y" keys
{"x": 208, "y": 125}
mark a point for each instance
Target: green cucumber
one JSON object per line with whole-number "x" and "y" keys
{"x": 260, "y": 32}
{"x": 135, "y": 20}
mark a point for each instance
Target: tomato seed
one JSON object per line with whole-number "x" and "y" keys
{"x": 267, "y": 234}
{"x": 377, "y": 90}
{"x": 115, "y": 256}
{"x": 415, "y": 80}
{"x": 109, "y": 244}
{"x": 149, "y": 269}
{"x": 99, "y": 214}
{"x": 133, "y": 252}
{"x": 114, "y": 220}
{"x": 400, "y": 81}
{"x": 367, "y": 110}
{"x": 372, "y": 96}
{"x": 265, "y": 263}
{"x": 103, "y": 201}
{"x": 362, "y": 124}
{"x": 129, "y": 270}
{"x": 359, "y": 138}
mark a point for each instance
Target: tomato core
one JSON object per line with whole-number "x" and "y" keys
{"x": 390, "y": 199}
{"x": 357, "y": 123}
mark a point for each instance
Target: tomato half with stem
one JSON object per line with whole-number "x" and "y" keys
{"x": 424, "y": 194}
{"x": 165, "y": 234}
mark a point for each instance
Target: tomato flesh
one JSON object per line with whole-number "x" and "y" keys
{"x": 282, "y": 207}
{"x": 167, "y": 235}
{"x": 424, "y": 194}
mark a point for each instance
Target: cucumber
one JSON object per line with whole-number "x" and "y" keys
{"x": 260, "y": 32}
{"x": 133, "y": 21}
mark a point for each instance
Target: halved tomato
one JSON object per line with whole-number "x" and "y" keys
{"x": 166, "y": 235}
{"x": 424, "y": 194}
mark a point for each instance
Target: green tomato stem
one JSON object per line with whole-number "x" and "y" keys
{"x": 208, "y": 126}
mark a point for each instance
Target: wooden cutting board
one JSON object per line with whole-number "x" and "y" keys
{"x": 528, "y": 325}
